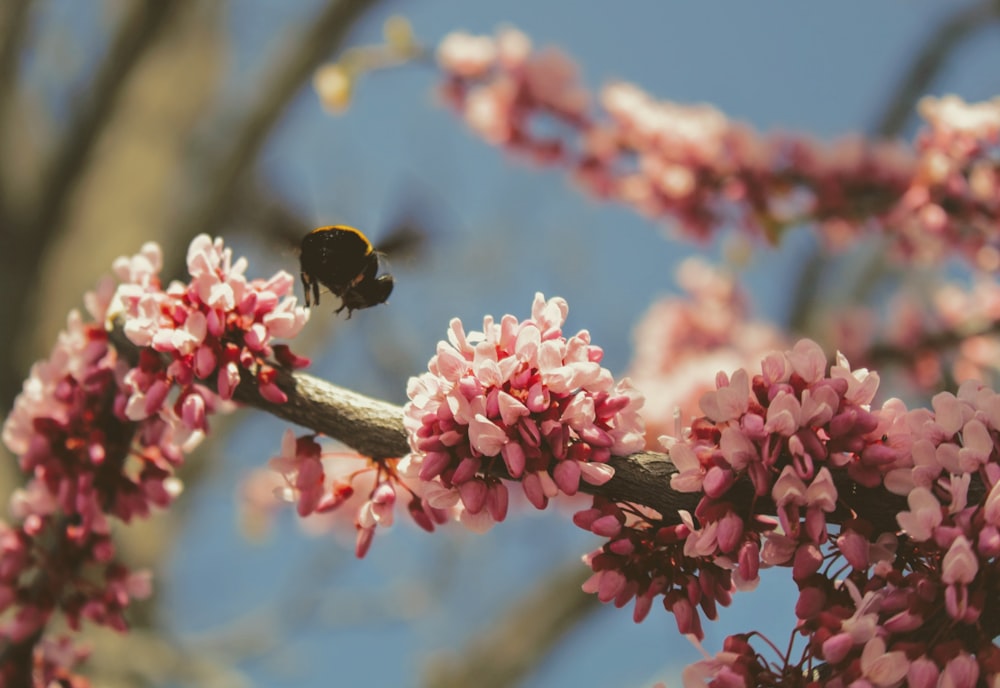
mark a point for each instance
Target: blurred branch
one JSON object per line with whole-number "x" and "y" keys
{"x": 26, "y": 243}
{"x": 14, "y": 15}
{"x": 323, "y": 34}
{"x": 923, "y": 70}
{"x": 13, "y": 32}
{"x": 136, "y": 33}
{"x": 929, "y": 61}
{"x": 522, "y": 638}
{"x": 884, "y": 354}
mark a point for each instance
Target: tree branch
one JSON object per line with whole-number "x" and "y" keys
{"x": 26, "y": 239}
{"x": 880, "y": 355}
{"x": 375, "y": 428}
{"x": 14, "y": 15}
{"x": 135, "y": 35}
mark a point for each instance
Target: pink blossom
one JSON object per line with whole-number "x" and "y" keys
{"x": 882, "y": 668}
{"x": 961, "y": 671}
{"x": 466, "y": 55}
{"x": 523, "y": 392}
{"x": 99, "y": 440}
{"x": 991, "y": 510}
{"x": 923, "y": 673}
{"x": 960, "y": 564}
{"x": 694, "y": 165}
{"x": 189, "y": 324}
{"x": 923, "y": 517}
{"x": 730, "y": 401}
{"x": 691, "y": 474}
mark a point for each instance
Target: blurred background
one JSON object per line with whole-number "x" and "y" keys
{"x": 128, "y": 121}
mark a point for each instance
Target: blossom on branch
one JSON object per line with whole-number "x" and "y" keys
{"x": 519, "y": 400}
{"x": 100, "y": 438}
{"x": 787, "y": 463}
{"x": 693, "y": 165}
{"x": 349, "y": 486}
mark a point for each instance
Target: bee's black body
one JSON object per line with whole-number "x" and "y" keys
{"x": 342, "y": 259}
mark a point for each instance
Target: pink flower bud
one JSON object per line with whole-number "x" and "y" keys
{"x": 596, "y": 473}
{"x": 808, "y": 560}
{"x": 473, "y": 493}
{"x": 496, "y": 501}
{"x": 606, "y": 526}
{"x": 956, "y": 601}
{"x": 434, "y": 463}
{"x": 419, "y": 515}
{"x": 810, "y": 603}
{"x": 533, "y": 490}
{"x": 988, "y": 542}
{"x": 643, "y": 604}
{"x": 836, "y": 647}
{"x": 621, "y": 547}
{"x": 567, "y": 476}
{"x": 204, "y": 361}
{"x": 730, "y": 532}
{"x": 271, "y": 392}
{"x": 854, "y": 547}
{"x": 467, "y": 469}
{"x": 749, "y": 560}
{"x": 514, "y": 458}
{"x": 962, "y": 670}
{"x": 686, "y": 617}
{"x": 611, "y": 584}
{"x": 717, "y": 481}
{"x": 363, "y": 541}
{"x": 923, "y": 673}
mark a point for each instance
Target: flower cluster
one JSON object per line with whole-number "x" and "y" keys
{"x": 75, "y": 444}
{"x": 937, "y": 600}
{"x": 694, "y": 165}
{"x": 321, "y": 482}
{"x": 212, "y": 328}
{"x": 101, "y": 439}
{"x": 519, "y": 400}
{"x": 776, "y": 437}
{"x": 887, "y": 593}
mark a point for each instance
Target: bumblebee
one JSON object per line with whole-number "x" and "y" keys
{"x": 342, "y": 259}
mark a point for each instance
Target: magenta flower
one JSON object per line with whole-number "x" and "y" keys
{"x": 217, "y": 325}
{"x": 100, "y": 441}
{"x": 520, "y": 398}
{"x": 882, "y": 669}
{"x": 335, "y": 488}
